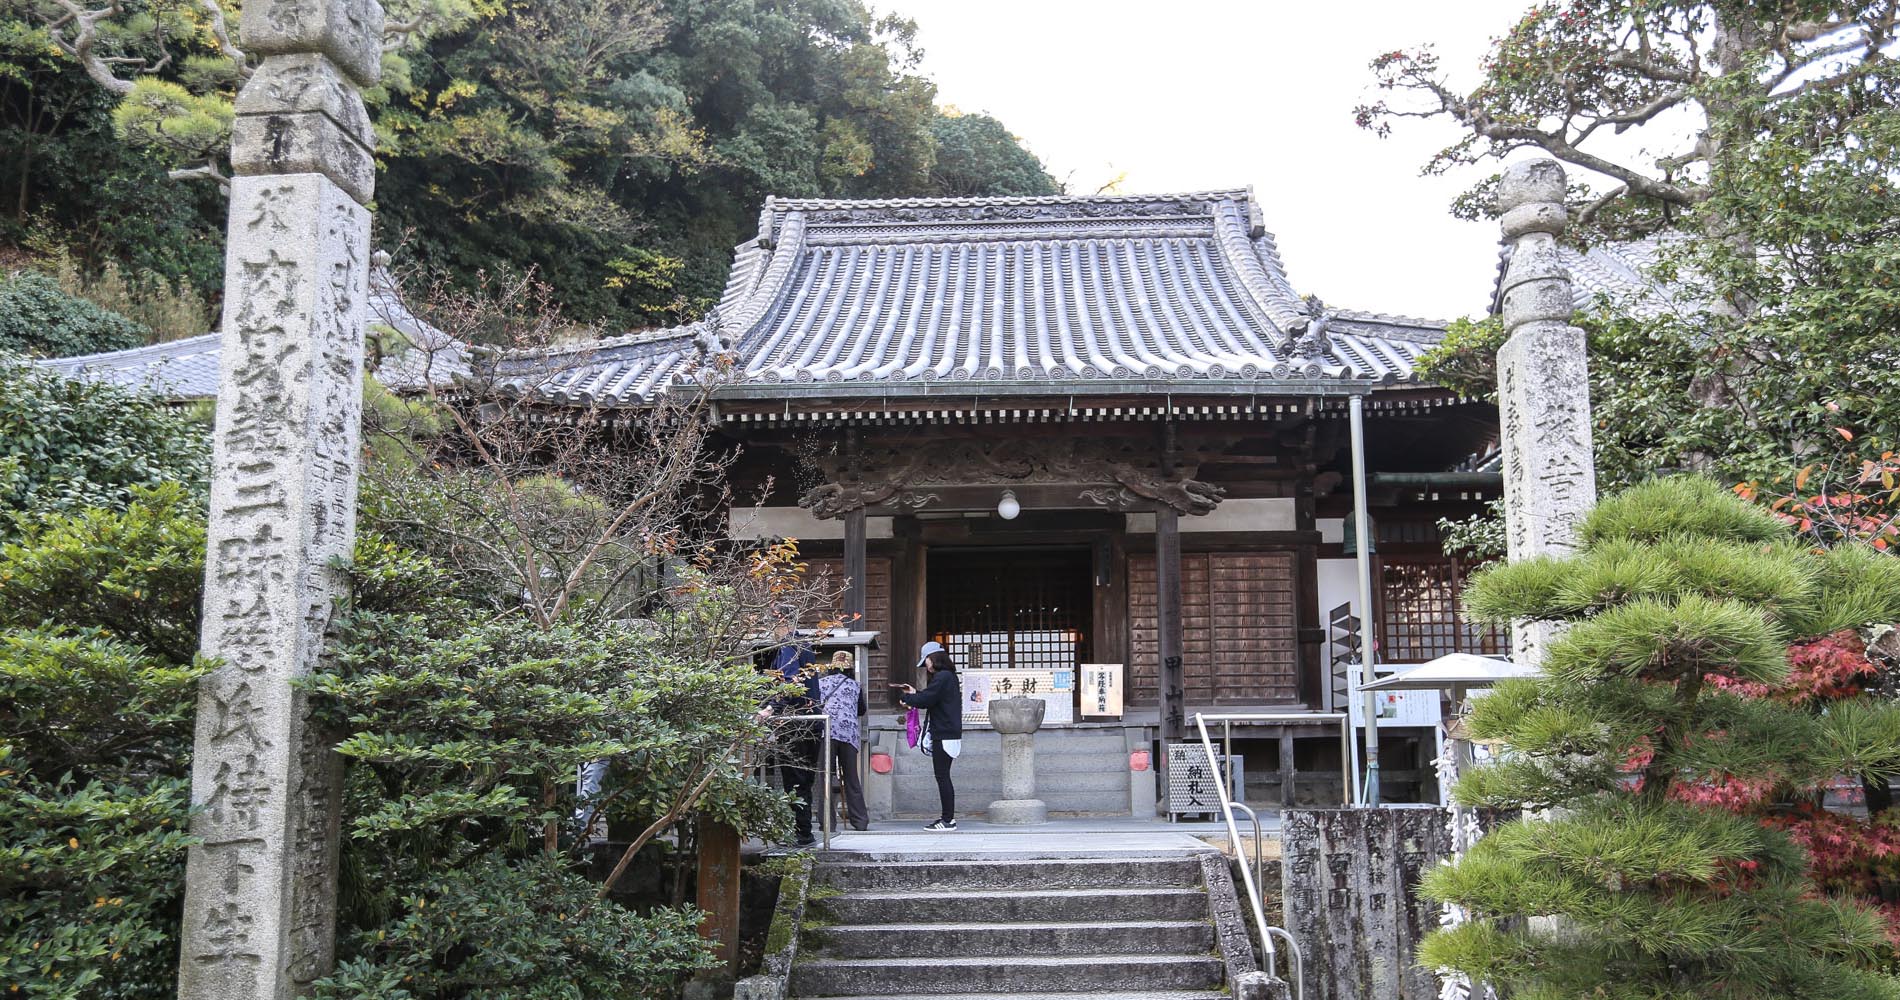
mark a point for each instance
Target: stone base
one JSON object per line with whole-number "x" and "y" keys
{"x": 1018, "y": 812}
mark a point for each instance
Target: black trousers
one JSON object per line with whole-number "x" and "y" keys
{"x": 847, "y": 757}
{"x": 798, "y": 780}
{"x": 940, "y": 763}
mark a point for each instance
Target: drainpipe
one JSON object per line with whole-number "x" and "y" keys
{"x": 1361, "y": 530}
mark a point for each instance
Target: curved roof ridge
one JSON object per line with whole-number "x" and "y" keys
{"x": 1399, "y": 319}
{"x": 968, "y": 201}
{"x": 1278, "y": 305}
{"x": 162, "y": 348}
{"x": 787, "y": 244}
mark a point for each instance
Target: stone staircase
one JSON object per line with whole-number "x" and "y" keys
{"x": 1113, "y": 928}
{"x": 1079, "y": 772}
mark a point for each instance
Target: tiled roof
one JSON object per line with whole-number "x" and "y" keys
{"x": 187, "y": 369}
{"x": 952, "y": 296}
{"x": 981, "y": 294}
{"x": 176, "y": 369}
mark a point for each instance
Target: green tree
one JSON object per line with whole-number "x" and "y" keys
{"x": 618, "y": 147}
{"x": 1681, "y": 600}
{"x": 977, "y": 155}
{"x": 98, "y": 625}
{"x": 1757, "y": 144}
{"x": 71, "y": 184}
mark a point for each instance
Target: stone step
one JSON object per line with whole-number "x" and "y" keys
{"x": 1072, "y": 781}
{"x": 1117, "y": 937}
{"x": 997, "y": 906}
{"x": 1053, "y": 873}
{"x": 918, "y": 765}
{"x": 1008, "y": 976}
{"x": 1090, "y": 995}
{"x": 985, "y": 742}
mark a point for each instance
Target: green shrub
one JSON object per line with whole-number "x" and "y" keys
{"x": 91, "y": 881}
{"x": 529, "y": 930}
{"x": 97, "y": 690}
{"x": 67, "y": 445}
{"x": 135, "y": 575}
{"x": 168, "y": 310}
{"x": 38, "y": 318}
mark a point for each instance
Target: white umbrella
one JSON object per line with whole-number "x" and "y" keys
{"x": 1453, "y": 672}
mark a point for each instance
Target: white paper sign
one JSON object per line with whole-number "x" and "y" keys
{"x": 1396, "y": 709}
{"x": 1056, "y": 688}
{"x": 1101, "y": 690}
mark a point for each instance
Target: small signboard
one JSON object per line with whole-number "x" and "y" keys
{"x": 1101, "y": 690}
{"x": 1395, "y": 708}
{"x": 1193, "y": 785}
{"x": 1056, "y": 688}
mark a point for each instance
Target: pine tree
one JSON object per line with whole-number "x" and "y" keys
{"x": 1626, "y": 877}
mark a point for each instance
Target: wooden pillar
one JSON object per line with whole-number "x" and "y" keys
{"x": 854, "y": 568}
{"x": 1311, "y": 631}
{"x": 1168, "y": 624}
{"x": 718, "y": 896}
{"x": 1110, "y": 643}
{"x": 907, "y": 606}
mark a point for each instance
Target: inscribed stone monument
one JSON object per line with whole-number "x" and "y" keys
{"x": 1543, "y": 382}
{"x": 1349, "y": 887}
{"x": 260, "y": 895}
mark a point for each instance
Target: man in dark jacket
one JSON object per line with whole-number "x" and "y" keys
{"x": 798, "y": 745}
{"x": 942, "y": 702}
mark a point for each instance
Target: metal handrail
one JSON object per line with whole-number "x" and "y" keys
{"x": 1248, "y": 877}
{"x": 824, "y": 769}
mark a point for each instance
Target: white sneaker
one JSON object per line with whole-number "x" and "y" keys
{"x": 943, "y": 826}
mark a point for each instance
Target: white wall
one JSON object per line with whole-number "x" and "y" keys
{"x": 1338, "y": 584}
{"x": 1259, "y": 514}
{"x": 754, "y": 523}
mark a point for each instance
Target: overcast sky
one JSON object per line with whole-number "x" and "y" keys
{"x": 1197, "y": 94}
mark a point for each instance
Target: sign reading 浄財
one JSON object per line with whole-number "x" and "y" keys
{"x": 1056, "y": 688}
{"x": 1101, "y": 690}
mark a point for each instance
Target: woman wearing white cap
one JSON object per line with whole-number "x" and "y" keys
{"x": 942, "y": 702}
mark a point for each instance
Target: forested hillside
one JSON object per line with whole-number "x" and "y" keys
{"x": 619, "y": 147}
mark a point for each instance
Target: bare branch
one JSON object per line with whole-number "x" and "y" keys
{"x": 222, "y": 35}
{"x": 202, "y": 172}
{"x": 85, "y": 35}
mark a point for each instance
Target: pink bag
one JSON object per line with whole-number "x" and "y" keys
{"x": 913, "y": 727}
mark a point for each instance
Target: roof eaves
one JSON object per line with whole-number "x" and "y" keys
{"x": 962, "y": 389}
{"x": 788, "y": 205}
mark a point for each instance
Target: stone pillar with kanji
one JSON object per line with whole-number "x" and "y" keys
{"x": 1543, "y": 382}
{"x": 260, "y": 895}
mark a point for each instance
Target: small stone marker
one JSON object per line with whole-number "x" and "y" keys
{"x": 260, "y": 891}
{"x": 1543, "y": 382}
{"x": 1350, "y": 892}
{"x": 1017, "y": 719}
